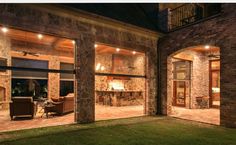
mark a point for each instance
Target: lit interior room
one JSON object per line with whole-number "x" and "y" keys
{"x": 119, "y": 82}
{"x": 194, "y": 83}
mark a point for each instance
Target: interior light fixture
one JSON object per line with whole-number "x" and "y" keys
{"x": 73, "y": 41}
{"x": 4, "y": 29}
{"x": 95, "y": 45}
{"x": 207, "y": 47}
{"x": 117, "y": 49}
{"x": 40, "y": 36}
{"x": 102, "y": 68}
{"x": 134, "y": 52}
{"x": 98, "y": 66}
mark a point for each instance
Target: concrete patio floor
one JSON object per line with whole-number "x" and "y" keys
{"x": 211, "y": 116}
{"x": 101, "y": 113}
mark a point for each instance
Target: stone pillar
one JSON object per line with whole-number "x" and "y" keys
{"x": 54, "y": 78}
{"x": 151, "y": 85}
{"x": 85, "y": 79}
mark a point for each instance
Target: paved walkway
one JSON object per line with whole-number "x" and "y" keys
{"x": 211, "y": 116}
{"x": 102, "y": 113}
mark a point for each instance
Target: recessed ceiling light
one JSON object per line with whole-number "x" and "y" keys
{"x": 4, "y": 30}
{"x": 134, "y": 52}
{"x": 40, "y": 36}
{"x": 95, "y": 45}
{"x": 207, "y": 47}
{"x": 117, "y": 49}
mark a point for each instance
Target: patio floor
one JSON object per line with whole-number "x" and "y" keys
{"x": 102, "y": 113}
{"x": 211, "y": 116}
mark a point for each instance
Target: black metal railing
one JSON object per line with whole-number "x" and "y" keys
{"x": 190, "y": 13}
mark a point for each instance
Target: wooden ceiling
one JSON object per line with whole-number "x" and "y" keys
{"x": 203, "y": 49}
{"x": 104, "y": 49}
{"x": 30, "y": 37}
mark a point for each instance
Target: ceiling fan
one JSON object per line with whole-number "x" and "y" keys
{"x": 212, "y": 55}
{"x": 29, "y": 53}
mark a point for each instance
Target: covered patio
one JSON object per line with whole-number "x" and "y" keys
{"x": 102, "y": 113}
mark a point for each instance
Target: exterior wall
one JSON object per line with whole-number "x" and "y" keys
{"x": 86, "y": 31}
{"x": 220, "y": 32}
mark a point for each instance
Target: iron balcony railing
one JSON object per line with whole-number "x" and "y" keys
{"x": 190, "y": 13}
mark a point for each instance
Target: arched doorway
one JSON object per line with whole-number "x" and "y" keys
{"x": 193, "y": 84}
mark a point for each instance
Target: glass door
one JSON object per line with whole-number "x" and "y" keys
{"x": 179, "y": 93}
{"x": 181, "y": 81}
{"x": 215, "y": 83}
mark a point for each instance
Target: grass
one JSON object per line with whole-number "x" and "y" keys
{"x": 133, "y": 131}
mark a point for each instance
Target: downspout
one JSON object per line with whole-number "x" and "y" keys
{"x": 158, "y": 82}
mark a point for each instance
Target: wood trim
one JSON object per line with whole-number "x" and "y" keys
{"x": 210, "y": 83}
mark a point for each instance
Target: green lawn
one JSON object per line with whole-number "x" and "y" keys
{"x": 133, "y": 131}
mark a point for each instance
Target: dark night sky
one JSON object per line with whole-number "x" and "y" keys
{"x": 143, "y": 15}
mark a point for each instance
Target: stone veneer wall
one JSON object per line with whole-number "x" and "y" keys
{"x": 86, "y": 31}
{"x": 218, "y": 31}
{"x": 137, "y": 62}
{"x": 5, "y": 77}
{"x": 198, "y": 85}
{"x": 54, "y": 78}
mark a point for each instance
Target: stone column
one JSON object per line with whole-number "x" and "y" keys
{"x": 151, "y": 85}
{"x": 85, "y": 79}
{"x": 54, "y": 78}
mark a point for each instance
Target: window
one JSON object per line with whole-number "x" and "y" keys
{"x": 182, "y": 70}
{"x": 66, "y": 80}
{"x": 29, "y": 63}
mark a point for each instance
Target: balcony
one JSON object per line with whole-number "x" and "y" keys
{"x": 186, "y": 14}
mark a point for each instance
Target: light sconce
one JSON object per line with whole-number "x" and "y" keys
{"x": 95, "y": 45}
{"x": 98, "y": 66}
{"x": 73, "y": 42}
{"x": 102, "y": 68}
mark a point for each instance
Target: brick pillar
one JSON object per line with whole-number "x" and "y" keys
{"x": 228, "y": 83}
{"x": 54, "y": 78}
{"x": 85, "y": 79}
